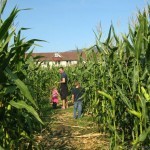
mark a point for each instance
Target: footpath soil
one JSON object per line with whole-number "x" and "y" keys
{"x": 63, "y": 132}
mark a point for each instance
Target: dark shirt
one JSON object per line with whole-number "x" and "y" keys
{"x": 78, "y": 93}
{"x": 64, "y": 85}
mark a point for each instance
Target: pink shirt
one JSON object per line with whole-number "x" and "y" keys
{"x": 55, "y": 96}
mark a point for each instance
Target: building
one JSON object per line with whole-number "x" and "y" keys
{"x": 60, "y": 58}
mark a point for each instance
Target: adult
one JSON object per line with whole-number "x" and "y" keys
{"x": 63, "y": 88}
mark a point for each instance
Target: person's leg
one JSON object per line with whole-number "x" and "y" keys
{"x": 63, "y": 100}
{"x": 75, "y": 110}
{"x": 66, "y": 103}
{"x": 63, "y": 103}
{"x": 79, "y": 108}
{"x": 55, "y": 105}
{"x": 65, "y": 97}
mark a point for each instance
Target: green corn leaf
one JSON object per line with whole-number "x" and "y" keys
{"x": 94, "y": 56}
{"x": 109, "y": 36}
{"x": 30, "y": 109}
{"x": 135, "y": 77}
{"x": 137, "y": 114}
{"x": 138, "y": 43}
{"x": 109, "y": 97}
{"x": 115, "y": 36}
{"x": 143, "y": 110}
{"x": 145, "y": 73}
{"x": 4, "y": 61}
{"x": 10, "y": 89}
{"x": 7, "y": 23}
{"x": 98, "y": 36}
{"x": 19, "y": 35}
{"x": 145, "y": 29}
{"x": 143, "y": 135}
{"x": 131, "y": 33}
{"x": 2, "y": 7}
{"x": 146, "y": 95}
{"x": 7, "y": 40}
{"x": 23, "y": 88}
{"x": 148, "y": 50}
{"x": 1, "y": 148}
{"x": 124, "y": 98}
{"x": 24, "y": 134}
{"x": 127, "y": 43}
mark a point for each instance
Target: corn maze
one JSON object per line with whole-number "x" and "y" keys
{"x": 116, "y": 78}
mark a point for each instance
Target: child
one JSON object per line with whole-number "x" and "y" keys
{"x": 55, "y": 95}
{"x": 77, "y": 97}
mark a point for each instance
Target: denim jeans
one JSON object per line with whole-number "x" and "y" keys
{"x": 77, "y": 109}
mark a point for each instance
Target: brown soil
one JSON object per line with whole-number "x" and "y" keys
{"x": 66, "y": 133}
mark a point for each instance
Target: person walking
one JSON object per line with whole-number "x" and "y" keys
{"x": 63, "y": 88}
{"x": 77, "y": 98}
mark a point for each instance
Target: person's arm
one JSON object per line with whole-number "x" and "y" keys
{"x": 72, "y": 98}
{"x": 63, "y": 80}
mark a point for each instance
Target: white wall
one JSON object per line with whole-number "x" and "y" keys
{"x": 61, "y": 63}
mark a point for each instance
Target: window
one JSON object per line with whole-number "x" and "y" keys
{"x": 57, "y": 62}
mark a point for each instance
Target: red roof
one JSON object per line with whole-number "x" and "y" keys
{"x": 60, "y": 56}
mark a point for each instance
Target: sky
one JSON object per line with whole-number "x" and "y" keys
{"x": 72, "y": 24}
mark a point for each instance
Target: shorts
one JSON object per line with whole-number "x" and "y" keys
{"x": 63, "y": 93}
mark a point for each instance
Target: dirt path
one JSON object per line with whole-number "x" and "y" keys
{"x": 66, "y": 133}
